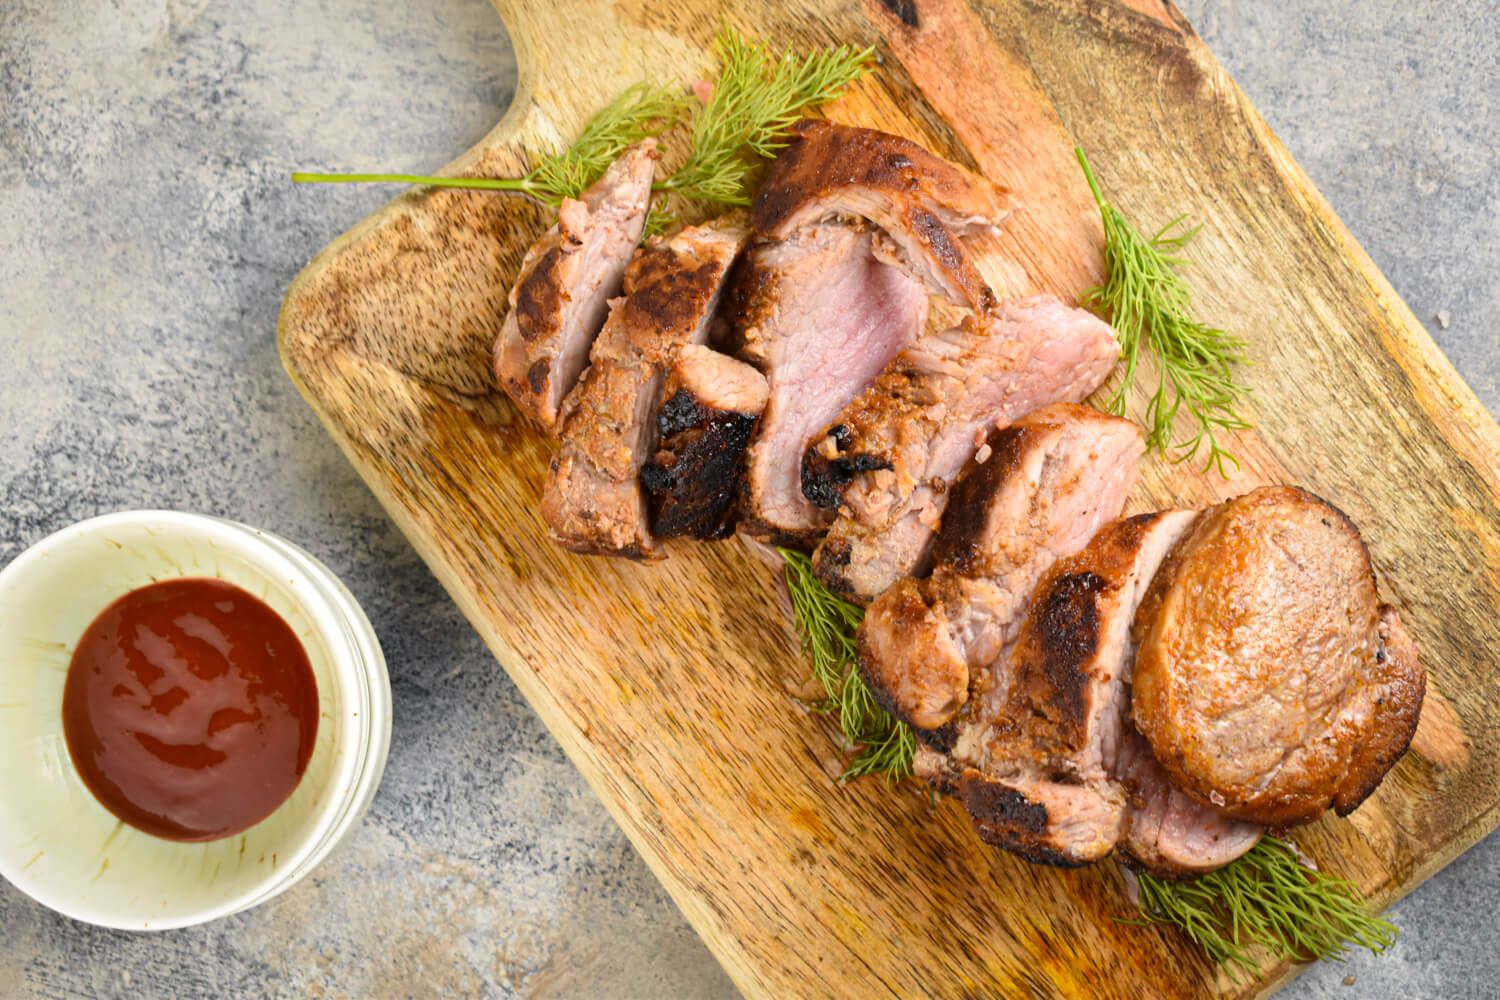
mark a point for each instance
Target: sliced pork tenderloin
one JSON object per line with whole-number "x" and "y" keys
{"x": 1269, "y": 681}
{"x": 711, "y": 406}
{"x": 935, "y": 651}
{"x": 593, "y": 501}
{"x": 919, "y": 202}
{"x": 887, "y": 462}
{"x": 820, "y": 316}
{"x": 1167, "y": 832}
{"x": 561, "y": 296}
{"x": 1044, "y": 787}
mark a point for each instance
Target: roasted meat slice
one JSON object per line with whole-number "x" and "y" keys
{"x": 593, "y": 502}
{"x": 820, "y": 316}
{"x": 1167, "y": 832}
{"x": 888, "y": 460}
{"x": 1270, "y": 681}
{"x": 920, "y": 202}
{"x": 1037, "y": 492}
{"x": 711, "y": 407}
{"x": 1048, "y": 759}
{"x": 561, "y": 296}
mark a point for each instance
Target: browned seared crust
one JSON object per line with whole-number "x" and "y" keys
{"x": 825, "y": 158}
{"x": 1397, "y": 691}
{"x": 923, "y": 681}
{"x": 559, "y": 300}
{"x": 962, "y": 544}
{"x": 693, "y": 479}
{"x": 593, "y": 502}
{"x": 922, "y": 641}
{"x": 1262, "y": 680}
{"x": 920, "y": 200}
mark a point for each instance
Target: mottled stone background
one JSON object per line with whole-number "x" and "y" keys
{"x": 147, "y": 232}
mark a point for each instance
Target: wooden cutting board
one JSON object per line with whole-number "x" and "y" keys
{"x": 671, "y": 685}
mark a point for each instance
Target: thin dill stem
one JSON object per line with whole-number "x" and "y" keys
{"x": 881, "y": 744}
{"x": 639, "y": 111}
{"x": 522, "y": 184}
{"x": 1150, "y": 305}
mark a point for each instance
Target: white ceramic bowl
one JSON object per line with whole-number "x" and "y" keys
{"x": 64, "y": 849}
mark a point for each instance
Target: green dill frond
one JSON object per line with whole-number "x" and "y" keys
{"x": 1149, "y": 303}
{"x": 640, "y": 111}
{"x": 659, "y": 220}
{"x": 756, "y": 99}
{"x": 1266, "y": 899}
{"x": 827, "y": 623}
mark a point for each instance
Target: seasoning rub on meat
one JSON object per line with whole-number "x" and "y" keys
{"x": 562, "y": 294}
{"x": 593, "y": 502}
{"x": 887, "y": 462}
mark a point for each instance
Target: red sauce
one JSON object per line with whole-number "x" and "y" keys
{"x": 190, "y": 709}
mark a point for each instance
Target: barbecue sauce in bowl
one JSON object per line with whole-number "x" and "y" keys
{"x": 190, "y": 709}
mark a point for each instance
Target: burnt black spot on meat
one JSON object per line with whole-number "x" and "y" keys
{"x": 825, "y": 479}
{"x": 883, "y": 697}
{"x": 680, "y": 413}
{"x": 995, "y": 804}
{"x": 1006, "y": 818}
{"x": 963, "y": 527}
{"x": 906, "y": 10}
{"x": 942, "y": 739}
{"x": 536, "y": 376}
{"x": 692, "y": 481}
{"x": 1068, "y": 619}
{"x": 835, "y": 553}
{"x": 1037, "y": 854}
{"x": 540, "y": 296}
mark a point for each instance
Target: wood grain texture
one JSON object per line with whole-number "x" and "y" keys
{"x": 671, "y": 686}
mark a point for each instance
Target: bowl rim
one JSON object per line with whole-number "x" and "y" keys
{"x": 355, "y": 661}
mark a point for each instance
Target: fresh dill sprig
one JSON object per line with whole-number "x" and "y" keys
{"x": 640, "y": 111}
{"x": 882, "y": 743}
{"x": 1150, "y": 303}
{"x": 755, "y": 100}
{"x": 1267, "y": 898}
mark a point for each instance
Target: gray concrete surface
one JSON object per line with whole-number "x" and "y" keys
{"x": 147, "y": 232}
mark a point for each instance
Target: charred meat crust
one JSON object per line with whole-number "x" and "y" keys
{"x": 823, "y": 479}
{"x": 539, "y": 296}
{"x": 961, "y": 543}
{"x": 1068, "y": 619}
{"x": 1005, "y": 818}
{"x": 942, "y": 739}
{"x": 693, "y": 480}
